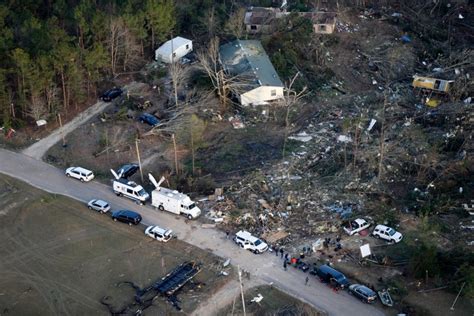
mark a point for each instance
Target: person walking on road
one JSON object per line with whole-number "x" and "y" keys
{"x": 281, "y": 252}
{"x": 276, "y": 251}
{"x": 284, "y": 265}
{"x": 306, "y": 281}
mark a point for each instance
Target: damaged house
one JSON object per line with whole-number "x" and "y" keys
{"x": 323, "y": 22}
{"x": 262, "y": 20}
{"x": 248, "y": 63}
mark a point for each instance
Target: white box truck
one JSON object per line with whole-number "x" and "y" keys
{"x": 172, "y": 201}
{"x": 129, "y": 189}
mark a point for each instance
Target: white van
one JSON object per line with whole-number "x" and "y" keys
{"x": 129, "y": 189}
{"x": 172, "y": 201}
{"x": 249, "y": 242}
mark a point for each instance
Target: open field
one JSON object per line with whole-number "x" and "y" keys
{"x": 59, "y": 258}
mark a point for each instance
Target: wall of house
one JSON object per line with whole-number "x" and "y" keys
{"x": 261, "y": 95}
{"x": 179, "y": 52}
{"x": 324, "y": 28}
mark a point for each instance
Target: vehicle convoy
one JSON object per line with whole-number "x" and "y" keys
{"x": 79, "y": 173}
{"x": 98, "y": 205}
{"x": 247, "y": 241}
{"x": 129, "y": 189}
{"x": 172, "y": 201}
{"x": 387, "y": 233}
{"x": 356, "y": 226}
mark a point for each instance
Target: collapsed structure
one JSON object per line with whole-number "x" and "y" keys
{"x": 248, "y": 62}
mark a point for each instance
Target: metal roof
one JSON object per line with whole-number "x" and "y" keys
{"x": 165, "y": 49}
{"x": 248, "y": 59}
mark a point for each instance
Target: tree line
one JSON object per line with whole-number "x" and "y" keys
{"x": 55, "y": 53}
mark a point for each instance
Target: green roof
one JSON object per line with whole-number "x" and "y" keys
{"x": 248, "y": 58}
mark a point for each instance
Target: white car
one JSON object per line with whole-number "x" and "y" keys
{"x": 80, "y": 173}
{"x": 245, "y": 240}
{"x": 356, "y": 226}
{"x": 98, "y": 205}
{"x": 159, "y": 233}
{"x": 387, "y": 233}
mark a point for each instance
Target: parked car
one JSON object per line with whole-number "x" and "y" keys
{"x": 128, "y": 170}
{"x": 245, "y": 240}
{"x": 126, "y": 216}
{"x": 363, "y": 293}
{"x": 80, "y": 173}
{"x": 356, "y": 226}
{"x": 149, "y": 119}
{"x": 159, "y": 233}
{"x": 329, "y": 275}
{"x": 387, "y": 233}
{"x": 98, "y": 205}
{"x": 111, "y": 94}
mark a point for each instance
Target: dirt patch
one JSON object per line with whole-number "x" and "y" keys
{"x": 60, "y": 258}
{"x": 274, "y": 302}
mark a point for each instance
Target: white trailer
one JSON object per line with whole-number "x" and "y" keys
{"x": 172, "y": 201}
{"x": 129, "y": 189}
{"x": 173, "y": 50}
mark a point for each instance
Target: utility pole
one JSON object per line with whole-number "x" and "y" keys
{"x": 139, "y": 161}
{"x": 457, "y": 296}
{"x": 175, "y": 154}
{"x": 241, "y": 290}
{"x": 61, "y": 130}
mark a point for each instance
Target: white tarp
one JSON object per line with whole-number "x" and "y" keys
{"x": 365, "y": 250}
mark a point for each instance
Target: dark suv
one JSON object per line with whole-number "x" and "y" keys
{"x": 329, "y": 275}
{"x": 128, "y": 170}
{"x": 149, "y": 119}
{"x": 363, "y": 293}
{"x": 125, "y": 216}
{"x": 111, "y": 94}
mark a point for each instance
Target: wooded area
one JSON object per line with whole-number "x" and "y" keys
{"x": 55, "y": 53}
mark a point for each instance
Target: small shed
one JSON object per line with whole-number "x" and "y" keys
{"x": 173, "y": 50}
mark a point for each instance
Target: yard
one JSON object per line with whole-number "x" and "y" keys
{"x": 59, "y": 258}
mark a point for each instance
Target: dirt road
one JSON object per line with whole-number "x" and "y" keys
{"x": 267, "y": 267}
{"x": 38, "y": 149}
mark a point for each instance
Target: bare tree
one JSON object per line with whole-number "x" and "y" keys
{"x": 222, "y": 82}
{"x": 235, "y": 23}
{"x": 116, "y": 42}
{"x": 291, "y": 98}
{"x": 132, "y": 50}
{"x": 179, "y": 73}
{"x": 37, "y": 107}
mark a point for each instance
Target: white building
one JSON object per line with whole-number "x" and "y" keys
{"x": 173, "y": 50}
{"x": 248, "y": 62}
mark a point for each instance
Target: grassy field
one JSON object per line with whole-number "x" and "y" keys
{"x": 59, "y": 258}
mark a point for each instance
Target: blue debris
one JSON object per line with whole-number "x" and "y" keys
{"x": 405, "y": 39}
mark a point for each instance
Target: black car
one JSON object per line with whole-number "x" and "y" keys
{"x": 128, "y": 170}
{"x": 329, "y": 275}
{"x": 363, "y": 293}
{"x": 149, "y": 119}
{"x": 125, "y": 216}
{"x": 111, "y": 94}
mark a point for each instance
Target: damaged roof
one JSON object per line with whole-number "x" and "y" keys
{"x": 248, "y": 58}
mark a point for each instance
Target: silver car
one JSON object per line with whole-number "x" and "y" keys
{"x": 98, "y": 205}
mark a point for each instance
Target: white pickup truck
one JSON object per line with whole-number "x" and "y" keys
{"x": 356, "y": 226}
